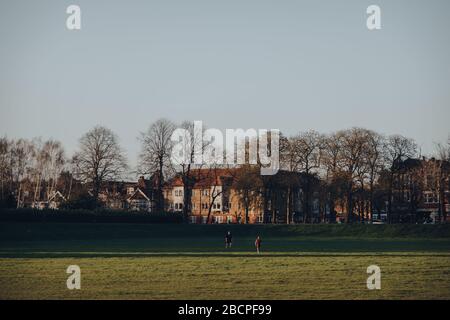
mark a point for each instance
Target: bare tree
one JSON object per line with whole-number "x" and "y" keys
{"x": 55, "y": 164}
{"x": 22, "y": 152}
{"x": 398, "y": 149}
{"x": 38, "y": 169}
{"x": 214, "y": 177}
{"x": 443, "y": 153}
{"x": 155, "y": 154}
{"x": 219, "y": 177}
{"x": 354, "y": 142}
{"x": 5, "y": 167}
{"x": 99, "y": 158}
{"x": 288, "y": 154}
{"x": 307, "y": 148}
{"x": 48, "y": 162}
{"x": 183, "y": 160}
{"x": 331, "y": 153}
{"x": 443, "y": 150}
{"x": 248, "y": 185}
{"x": 374, "y": 160}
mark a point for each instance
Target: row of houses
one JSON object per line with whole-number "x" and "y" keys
{"x": 419, "y": 186}
{"x": 213, "y": 199}
{"x": 114, "y": 195}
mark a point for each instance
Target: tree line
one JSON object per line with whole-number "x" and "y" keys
{"x": 353, "y": 168}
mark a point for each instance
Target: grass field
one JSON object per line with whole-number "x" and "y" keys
{"x": 143, "y": 261}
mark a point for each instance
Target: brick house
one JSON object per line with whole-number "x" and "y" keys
{"x": 421, "y": 189}
{"x": 216, "y": 199}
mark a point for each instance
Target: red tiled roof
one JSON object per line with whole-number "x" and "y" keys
{"x": 206, "y": 177}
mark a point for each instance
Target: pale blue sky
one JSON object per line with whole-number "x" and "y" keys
{"x": 290, "y": 65}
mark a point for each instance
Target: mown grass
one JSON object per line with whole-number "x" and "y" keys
{"x": 135, "y": 261}
{"x": 264, "y": 277}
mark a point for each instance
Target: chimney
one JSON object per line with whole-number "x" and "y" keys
{"x": 141, "y": 183}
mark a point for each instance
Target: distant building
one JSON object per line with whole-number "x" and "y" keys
{"x": 421, "y": 189}
{"x": 44, "y": 196}
{"x": 216, "y": 199}
{"x": 136, "y": 196}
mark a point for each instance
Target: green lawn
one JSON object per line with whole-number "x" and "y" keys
{"x": 128, "y": 261}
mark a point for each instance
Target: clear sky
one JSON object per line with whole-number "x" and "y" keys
{"x": 290, "y": 65}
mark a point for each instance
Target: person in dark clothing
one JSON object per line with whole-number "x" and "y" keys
{"x": 228, "y": 240}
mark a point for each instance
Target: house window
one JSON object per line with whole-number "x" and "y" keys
{"x": 216, "y": 192}
{"x": 229, "y": 219}
{"x": 204, "y": 219}
{"x": 178, "y": 193}
{"x": 219, "y": 219}
{"x": 260, "y": 219}
{"x": 193, "y": 219}
{"x": 431, "y": 197}
{"x": 178, "y": 206}
{"x": 130, "y": 190}
{"x": 216, "y": 206}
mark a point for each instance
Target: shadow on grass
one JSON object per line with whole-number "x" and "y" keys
{"x": 40, "y": 255}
